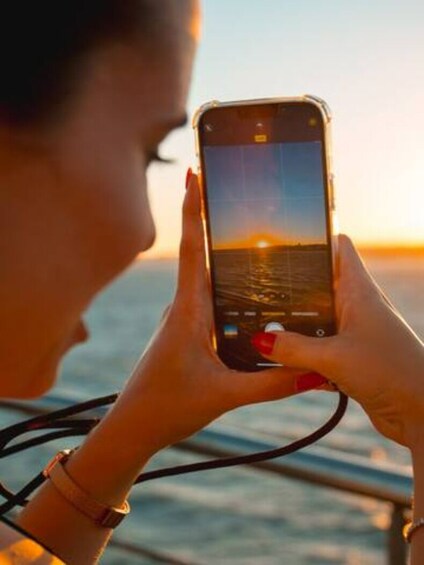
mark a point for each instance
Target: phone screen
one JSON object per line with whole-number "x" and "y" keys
{"x": 268, "y": 224}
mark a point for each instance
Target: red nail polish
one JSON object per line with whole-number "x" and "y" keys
{"x": 264, "y": 342}
{"x": 188, "y": 176}
{"x": 309, "y": 381}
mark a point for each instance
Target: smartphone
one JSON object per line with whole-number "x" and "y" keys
{"x": 268, "y": 208}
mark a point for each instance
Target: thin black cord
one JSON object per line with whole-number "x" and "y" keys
{"x": 82, "y": 427}
{"x": 19, "y": 498}
{"x": 7, "y": 434}
{"x": 51, "y": 436}
{"x": 82, "y": 423}
{"x": 254, "y": 457}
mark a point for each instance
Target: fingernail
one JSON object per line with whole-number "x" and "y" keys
{"x": 264, "y": 342}
{"x": 309, "y": 381}
{"x": 188, "y": 176}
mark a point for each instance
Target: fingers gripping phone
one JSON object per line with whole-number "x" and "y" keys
{"x": 268, "y": 206}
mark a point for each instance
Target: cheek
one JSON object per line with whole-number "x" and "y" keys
{"x": 128, "y": 226}
{"x": 132, "y": 224}
{"x": 115, "y": 210}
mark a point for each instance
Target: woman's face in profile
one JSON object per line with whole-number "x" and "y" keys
{"x": 83, "y": 203}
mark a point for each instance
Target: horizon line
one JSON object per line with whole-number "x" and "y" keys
{"x": 366, "y": 248}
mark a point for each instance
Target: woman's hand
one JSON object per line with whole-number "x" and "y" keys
{"x": 179, "y": 385}
{"x": 375, "y": 358}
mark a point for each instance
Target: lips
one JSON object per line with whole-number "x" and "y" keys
{"x": 81, "y": 334}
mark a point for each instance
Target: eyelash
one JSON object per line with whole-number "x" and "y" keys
{"x": 154, "y": 157}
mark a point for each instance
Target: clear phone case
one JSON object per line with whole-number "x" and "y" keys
{"x": 327, "y": 118}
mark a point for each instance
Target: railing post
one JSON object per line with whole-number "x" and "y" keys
{"x": 396, "y": 546}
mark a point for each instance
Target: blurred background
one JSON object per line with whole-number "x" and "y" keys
{"x": 366, "y": 59}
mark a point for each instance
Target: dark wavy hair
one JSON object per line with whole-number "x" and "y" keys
{"x": 44, "y": 42}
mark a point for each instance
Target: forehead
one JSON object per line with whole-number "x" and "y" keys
{"x": 160, "y": 71}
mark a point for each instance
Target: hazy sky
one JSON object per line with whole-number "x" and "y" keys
{"x": 366, "y": 58}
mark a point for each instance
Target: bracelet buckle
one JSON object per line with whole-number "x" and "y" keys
{"x": 112, "y": 517}
{"x": 60, "y": 456}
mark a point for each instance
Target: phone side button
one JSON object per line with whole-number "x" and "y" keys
{"x": 332, "y": 196}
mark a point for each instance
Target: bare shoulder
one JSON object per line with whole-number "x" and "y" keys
{"x": 18, "y": 549}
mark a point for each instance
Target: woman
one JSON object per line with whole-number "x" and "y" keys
{"x": 85, "y": 100}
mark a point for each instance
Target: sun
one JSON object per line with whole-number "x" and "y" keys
{"x": 262, "y": 243}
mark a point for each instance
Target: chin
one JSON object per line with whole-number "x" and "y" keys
{"x": 27, "y": 384}
{"x": 32, "y": 385}
{"x": 39, "y": 385}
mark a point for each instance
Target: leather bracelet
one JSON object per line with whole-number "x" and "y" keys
{"x": 410, "y": 528}
{"x": 102, "y": 515}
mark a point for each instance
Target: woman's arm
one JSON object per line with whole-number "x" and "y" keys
{"x": 105, "y": 467}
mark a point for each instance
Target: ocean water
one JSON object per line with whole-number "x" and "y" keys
{"x": 273, "y": 277}
{"x": 255, "y": 286}
{"x": 235, "y": 516}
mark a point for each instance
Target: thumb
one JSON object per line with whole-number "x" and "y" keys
{"x": 296, "y": 350}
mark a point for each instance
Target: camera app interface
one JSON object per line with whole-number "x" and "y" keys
{"x": 271, "y": 258}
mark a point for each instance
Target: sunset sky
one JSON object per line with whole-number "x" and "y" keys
{"x": 365, "y": 58}
{"x": 249, "y": 210}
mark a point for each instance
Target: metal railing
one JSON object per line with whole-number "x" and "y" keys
{"x": 319, "y": 466}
